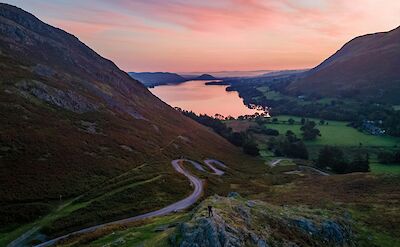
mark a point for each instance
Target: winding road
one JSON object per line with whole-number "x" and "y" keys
{"x": 177, "y": 206}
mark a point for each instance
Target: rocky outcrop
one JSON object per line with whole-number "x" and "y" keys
{"x": 65, "y": 99}
{"x": 239, "y": 222}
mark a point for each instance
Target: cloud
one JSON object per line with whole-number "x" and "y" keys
{"x": 190, "y": 35}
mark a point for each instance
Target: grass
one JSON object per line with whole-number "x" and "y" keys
{"x": 62, "y": 210}
{"x": 149, "y": 233}
{"x": 378, "y": 168}
{"x": 7, "y": 237}
{"x": 370, "y": 200}
{"x": 336, "y": 133}
{"x": 283, "y": 166}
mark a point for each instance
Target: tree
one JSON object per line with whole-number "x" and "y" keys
{"x": 260, "y": 120}
{"x": 309, "y": 131}
{"x": 333, "y": 158}
{"x": 250, "y": 147}
{"x": 321, "y": 122}
{"x": 295, "y": 149}
{"x": 271, "y": 132}
{"x": 387, "y": 157}
{"x": 303, "y": 121}
{"x": 237, "y": 138}
{"x": 360, "y": 163}
{"x": 291, "y": 136}
{"x": 291, "y": 121}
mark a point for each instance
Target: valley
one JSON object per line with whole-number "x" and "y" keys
{"x": 91, "y": 155}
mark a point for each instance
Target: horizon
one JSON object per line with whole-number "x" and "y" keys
{"x": 204, "y": 36}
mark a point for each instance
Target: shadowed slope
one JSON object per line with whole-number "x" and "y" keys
{"x": 367, "y": 66}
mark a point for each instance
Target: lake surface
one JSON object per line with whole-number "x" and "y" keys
{"x": 202, "y": 99}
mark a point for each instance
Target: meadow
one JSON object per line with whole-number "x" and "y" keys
{"x": 335, "y": 133}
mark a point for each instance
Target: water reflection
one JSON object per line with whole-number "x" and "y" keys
{"x": 202, "y": 99}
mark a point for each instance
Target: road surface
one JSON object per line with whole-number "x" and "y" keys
{"x": 216, "y": 171}
{"x": 177, "y": 206}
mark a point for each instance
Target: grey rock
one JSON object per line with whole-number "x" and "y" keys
{"x": 209, "y": 232}
{"x": 244, "y": 213}
{"x": 43, "y": 70}
{"x": 233, "y": 194}
{"x": 333, "y": 232}
{"x": 262, "y": 243}
{"x": 250, "y": 204}
{"x": 306, "y": 226}
{"x": 89, "y": 127}
{"x": 65, "y": 99}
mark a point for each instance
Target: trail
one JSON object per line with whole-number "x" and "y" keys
{"x": 322, "y": 173}
{"x": 177, "y": 206}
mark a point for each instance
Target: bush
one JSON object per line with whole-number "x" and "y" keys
{"x": 271, "y": 132}
{"x": 387, "y": 157}
{"x": 309, "y": 131}
{"x": 333, "y": 158}
{"x": 250, "y": 148}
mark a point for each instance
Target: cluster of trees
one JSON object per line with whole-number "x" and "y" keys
{"x": 334, "y": 159}
{"x": 309, "y": 131}
{"x": 262, "y": 130}
{"x": 387, "y": 157}
{"x": 240, "y": 139}
{"x": 288, "y": 145}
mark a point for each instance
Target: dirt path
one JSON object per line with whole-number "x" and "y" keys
{"x": 301, "y": 168}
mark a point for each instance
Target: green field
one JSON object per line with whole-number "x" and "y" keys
{"x": 336, "y": 133}
{"x": 385, "y": 168}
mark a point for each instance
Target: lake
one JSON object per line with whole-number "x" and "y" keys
{"x": 203, "y": 99}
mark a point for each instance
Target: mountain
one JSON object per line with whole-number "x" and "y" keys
{"x": 365, "y": 67}
{"x": 205, "y": 77}
{"x": 151, "y": 79}
{"x": 73, "y": 125}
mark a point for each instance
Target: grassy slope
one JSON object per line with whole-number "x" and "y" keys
{"x": 370, "y": 199}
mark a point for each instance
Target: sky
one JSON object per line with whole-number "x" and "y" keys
{"x": 216, "y": 35}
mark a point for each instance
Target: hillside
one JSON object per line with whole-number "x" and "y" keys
{"x": 365, "y": 67}
{"x": 71, "y": 121}
{"x": 151, "y": 79}
{"x": 205, "y": 77}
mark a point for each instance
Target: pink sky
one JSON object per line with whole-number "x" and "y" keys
{"x": 186, "y": 36}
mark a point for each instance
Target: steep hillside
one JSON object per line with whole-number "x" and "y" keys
{"x": 72, "y": 120}
{"x": 151, "y": 79}
{"x": 366, "y": 67}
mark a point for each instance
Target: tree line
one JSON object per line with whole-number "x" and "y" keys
{"x": 240, "y": 139}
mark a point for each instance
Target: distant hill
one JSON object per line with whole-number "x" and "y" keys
{"x": 366, "y": 67}
{"x": 151, "y": 79}
{"x": 205, "y": 77}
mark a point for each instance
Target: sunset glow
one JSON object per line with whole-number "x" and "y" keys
{"x": 186, "y": 36}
